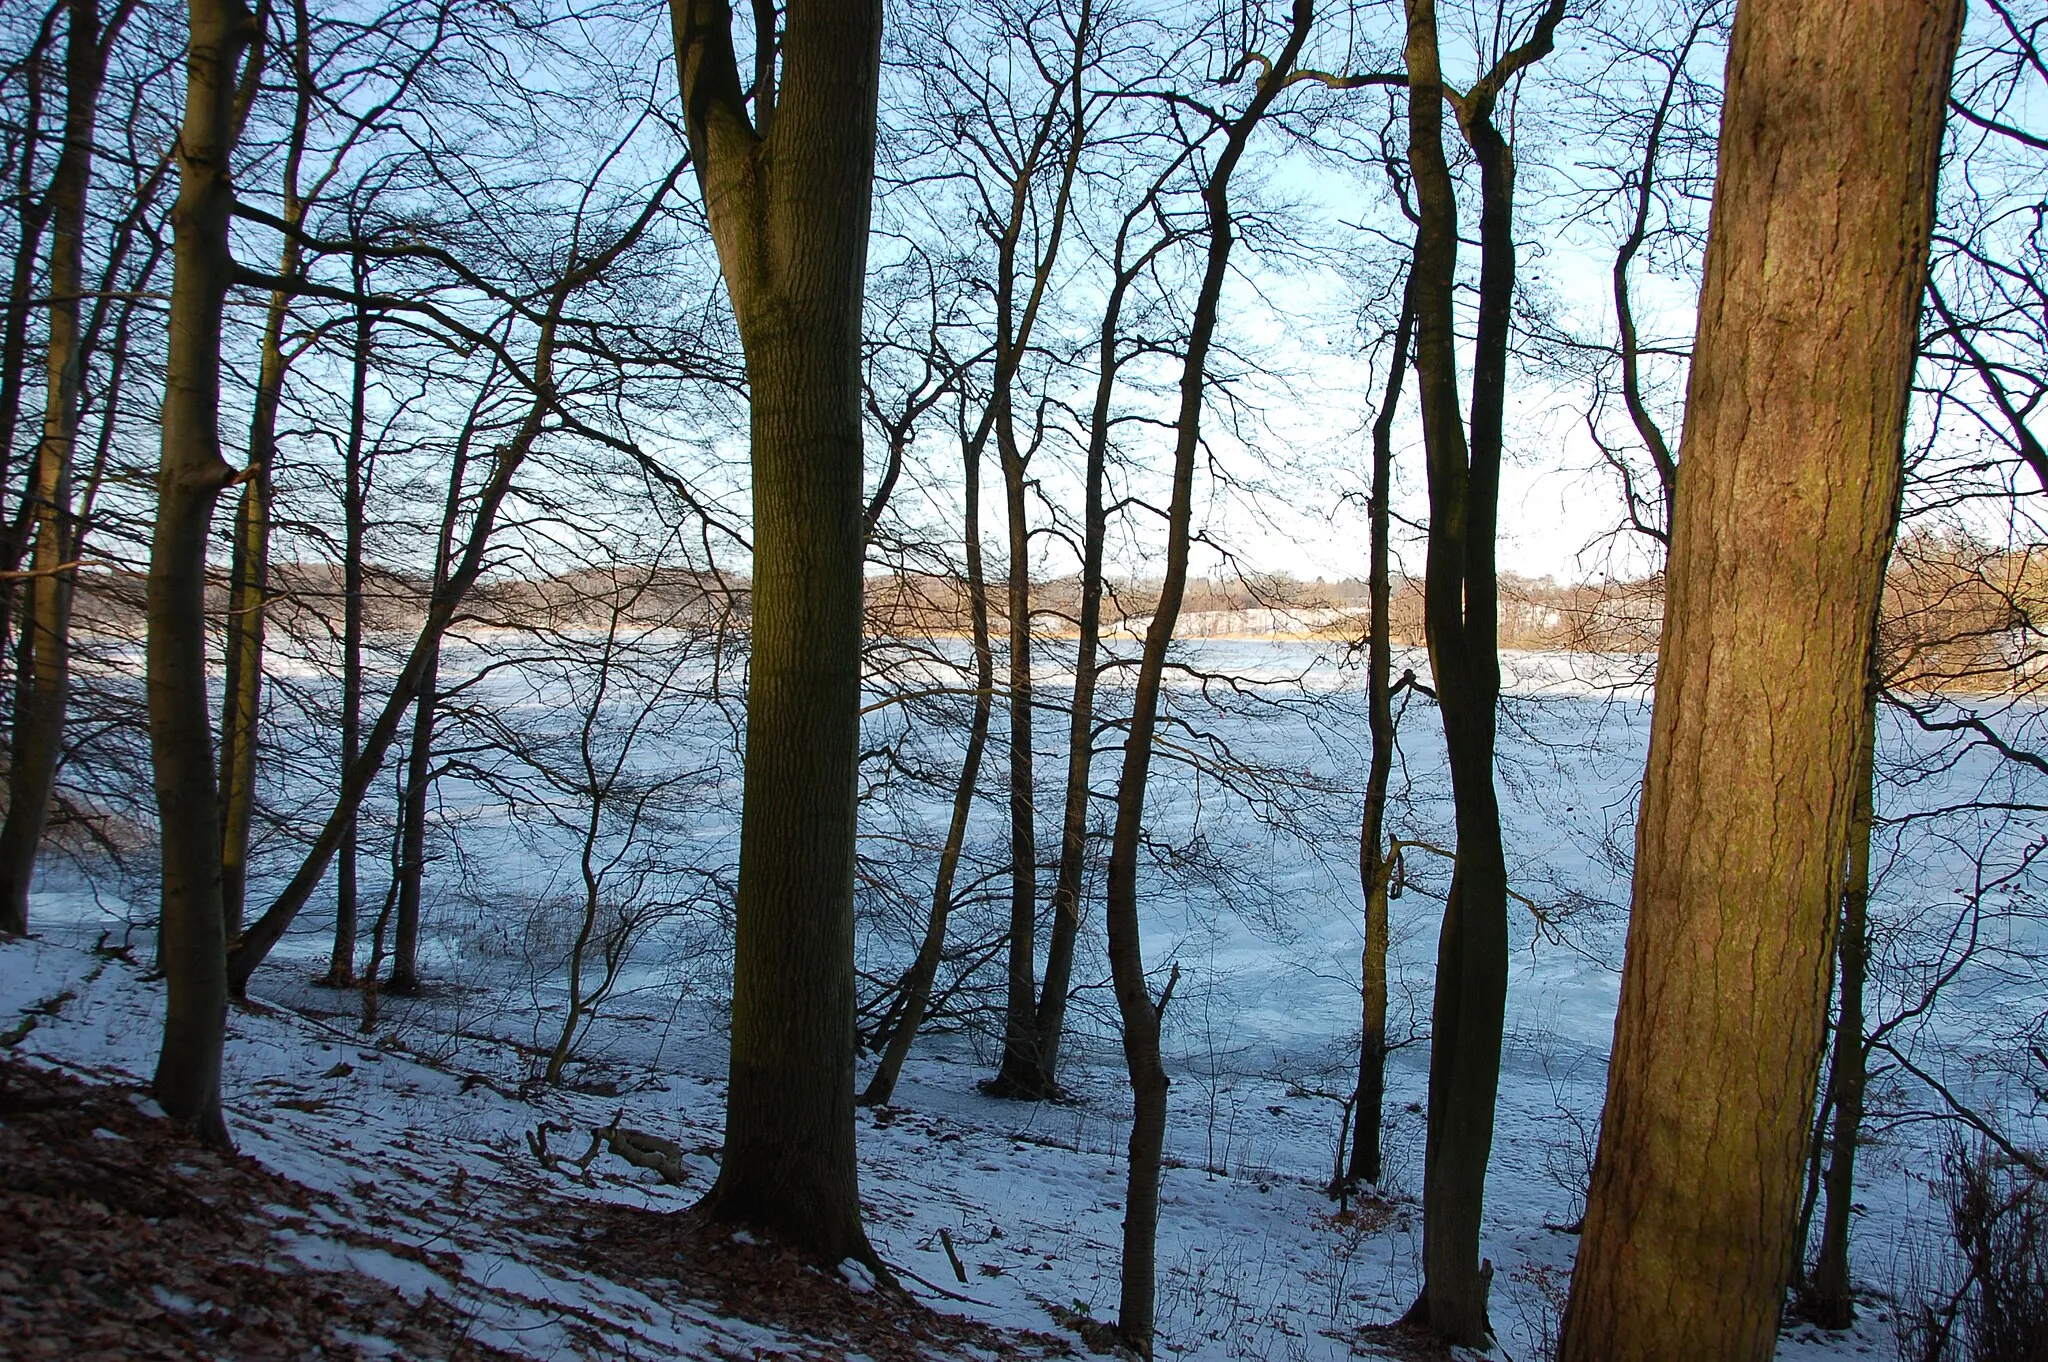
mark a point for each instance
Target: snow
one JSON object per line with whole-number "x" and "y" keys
{"x": 420, "y": 1133}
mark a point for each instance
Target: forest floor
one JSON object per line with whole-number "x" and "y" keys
{"x": 121, "y": 1238}
{"x": 397, "y": 1197}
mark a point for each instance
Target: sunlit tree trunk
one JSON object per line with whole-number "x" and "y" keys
{"x": 1787, "y": 484}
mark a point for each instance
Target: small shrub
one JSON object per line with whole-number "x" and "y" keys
{"x": 1991, "y": 1304}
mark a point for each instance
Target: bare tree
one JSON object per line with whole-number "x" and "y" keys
{"x": 1461, "y": 606}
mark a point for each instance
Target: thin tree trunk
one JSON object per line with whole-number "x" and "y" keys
{"x": 1066, "y": 894}
{"x": 1023, "y": 1071}
{"x": 32, "y": 216}
{"x": 341, "y": 963}
{"x": 249, "y": 571}
{"x": 1374, "y": 866}
{"x": 257, "y": 940}
{"x": 42, "y": 676}
{"x": 1460, "y": 619}
{"x": 419, "y": 771}
{"x": 1831, "y": 1302}
{"x": 789, "y": 195}
{"x": 242, "y": 703}
{"x": 190, "y": 476}
{"x": 1019, "y": 1073}
{"x": 1816, "y": 262}
{"x": 1141, "y": 1015}
{"x": 917, "y": 983}
{"x": 412, "y": 856}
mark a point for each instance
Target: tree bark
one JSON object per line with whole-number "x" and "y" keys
{"x": 43, "y": 671}
{"x": 1460, "y": 620}
{"x": 789, "y": 197}
{"x": 917, "y": 983}
{"x": 1374, "y": 866}
{"x": 1790, "y": 465}
{"x": 190, "y": 476}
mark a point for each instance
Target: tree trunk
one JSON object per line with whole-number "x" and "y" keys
{"x": 1816, "y": 260}
{"x": 190, "y": 477}
{"x": 249, "y": 571}
{"x": 42, "y": 676}
{"x": 1830, "y": 1301}
{"x": 341, "y": 963}
{"x": 917, "y": 983}
{"x": 32, "y": 216}
{"x": 412, "y": 836}
{"x": 1025, "y": 1072}
{"x": 419, "y": 769}
{"x": 1141, "y": 1015}
{"x": 1460, "y": 620}
{"x": 448, "y": 595}
{"x": 789, "y": 204}
{"x": 1073, "y": 862}
{"x": 248, "y": 593}
{"x": 1018, "y": 1076}
{"x": 1374, "y": 866}
{"x": 1066, "y": 893}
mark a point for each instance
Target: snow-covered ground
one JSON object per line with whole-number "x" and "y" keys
{"x": 1262, "y": 1034}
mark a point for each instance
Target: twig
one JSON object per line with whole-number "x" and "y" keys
{"x": 952, "y": 1256}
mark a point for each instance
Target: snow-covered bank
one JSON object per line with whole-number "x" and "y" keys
{"x": 433, "y": 1161}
